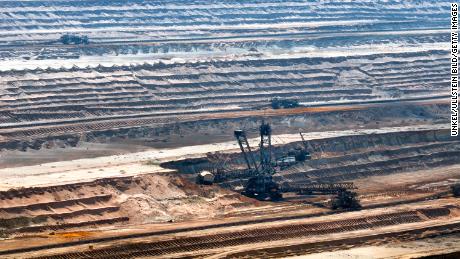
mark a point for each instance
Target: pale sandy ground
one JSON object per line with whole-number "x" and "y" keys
{"x": 406, "y": 250}
{"x": 420, "y": 179}
{"x": 88, "y": 169}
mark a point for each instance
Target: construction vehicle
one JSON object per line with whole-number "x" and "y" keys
{"x": 293, "y": 157}
{"x": 304, "y": 152}
{"x": 205, "y": 177}
{"x": 278, "y": 103}
{"x": 73, "y": 39}
{"x": 261, "y": 184}
{"x": 286, "y": 161}
{"x": 345, "y": 199}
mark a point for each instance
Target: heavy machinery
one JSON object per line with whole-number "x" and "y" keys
{"x": 295, "y": 155}
{"x": 318, "y": 188}
{"x": 205, "y": 177}
{"x": 262, "y": 186}
{"x": 306, "y": 147}
{"x": 74, "y": 39}
{"x": 345, "y": 199}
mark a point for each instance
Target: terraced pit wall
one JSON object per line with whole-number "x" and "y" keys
{"x": 182, "y": 131}
{"x": 217, "y": 57}
{"x": 344, "y": 158}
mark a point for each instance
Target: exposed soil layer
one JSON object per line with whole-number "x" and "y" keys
{"x": 342, "y": 158}
{"x": 127, "y": 200}
{"x": 90, "y": 134}
{"x": 267, "y": 237}
{"x": 182, "y": 130}
{"x": 170, "y": 197}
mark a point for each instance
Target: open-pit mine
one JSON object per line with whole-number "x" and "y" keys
{"x": 227, "y": 129}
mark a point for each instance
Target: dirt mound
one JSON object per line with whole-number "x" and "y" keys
{"x": 114, "y": 201}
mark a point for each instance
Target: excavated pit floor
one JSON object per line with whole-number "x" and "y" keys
{"x": 73, "y": 200}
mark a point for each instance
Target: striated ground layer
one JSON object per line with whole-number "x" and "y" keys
{"x": 101, "y": 143}
{"x": 150, "y": 64}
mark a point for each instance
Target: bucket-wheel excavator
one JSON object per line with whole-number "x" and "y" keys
{"x": 261, "y": 184}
